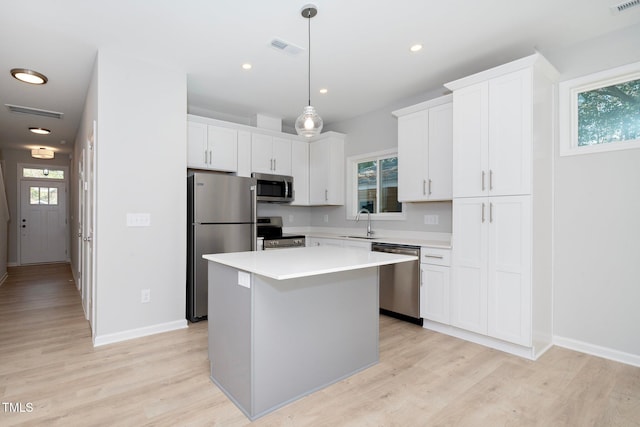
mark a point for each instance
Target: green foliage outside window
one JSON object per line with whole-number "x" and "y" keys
{"x": 609, "y": 114}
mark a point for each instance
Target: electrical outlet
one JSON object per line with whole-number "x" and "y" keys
{"x": 138, "y": 220}
{"x": 145, "y": 296}
{"x": 431, "y": 219}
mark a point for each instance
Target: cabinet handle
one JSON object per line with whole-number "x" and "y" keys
{"x": 490, "y": 180}
{"x": 210, "y": 156}
{"x": 434, "y": 256}
{"x": 205, "y": 156}
{"x": 490, "y": 212}
{"x": 483, "y": 213}
{"x": 424, "y": 187}
{"x": 482, "y": 180}
{"x": 429, "y": 187}
{"x": 326, "y": 195}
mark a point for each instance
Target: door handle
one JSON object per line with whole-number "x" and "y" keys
{"x": 24, "y": 226}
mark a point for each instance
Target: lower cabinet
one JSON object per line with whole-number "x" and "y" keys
{"x": 435, "y": 284}
{"x": 491, "y": 277}
{"x": 343, "y": 243}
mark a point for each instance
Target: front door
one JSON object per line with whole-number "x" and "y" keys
{"x": 43, "y": 221}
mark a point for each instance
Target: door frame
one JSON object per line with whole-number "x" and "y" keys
{"x": 65, "y": 181}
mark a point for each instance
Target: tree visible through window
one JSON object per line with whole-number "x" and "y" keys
{"x": 609, "y": 114}
{"x": 377, "y": 185}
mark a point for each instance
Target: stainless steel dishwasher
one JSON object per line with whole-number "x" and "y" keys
{"x": 400, "y": 284}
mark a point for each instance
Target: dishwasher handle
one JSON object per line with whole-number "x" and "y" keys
{"x": 396, "y": 249}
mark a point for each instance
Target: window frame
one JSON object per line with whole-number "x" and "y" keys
{"x": 352, "y": 183}
{"x": 568, "y": 101}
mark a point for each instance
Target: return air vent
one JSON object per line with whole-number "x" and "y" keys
{"x": 34, "y": 111}
{"x": 624, "y": 6}
{"x": 287, "y": 47}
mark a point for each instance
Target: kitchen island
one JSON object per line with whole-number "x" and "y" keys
{"x": 285, "y": 323}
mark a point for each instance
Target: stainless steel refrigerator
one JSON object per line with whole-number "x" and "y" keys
{"x": 221, "y": 217}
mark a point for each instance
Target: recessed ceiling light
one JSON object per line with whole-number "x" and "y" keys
{"x": 415, "y": 47}
{"x": 324, "y": 90}
{"x": 29, "y": 76}
{"x": 247, "y": 66}
{"x": 40, "y": 131}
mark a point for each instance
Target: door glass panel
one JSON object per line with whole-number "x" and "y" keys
{"x": 42, "y": 173}
{"x": 43, "y": 195}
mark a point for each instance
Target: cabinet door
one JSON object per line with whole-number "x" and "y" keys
{"x": 470, "y": 140}
{"x": 223, "y": 148}
{"x": 469, "y": 264}
{"x": 439, "y": 156}
{"x": 323, "y": 241}
{"x": 261, "y": 153}
{"x": 197, "y": 146}
{"x": 509, "y": 269}
{"x": 434, "y": 293}
{"x": 300, "y": 172}
{"x": 412, "y": 156}
{"x": 510, "y": 103}
{"x": 281, "y": 156}
{"x": 326, "y": 172}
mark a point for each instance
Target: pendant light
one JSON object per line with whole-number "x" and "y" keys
{"x": 309, "y": 123}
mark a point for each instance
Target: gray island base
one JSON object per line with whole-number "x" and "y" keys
{"x": 276, "y": 341}
{"x": 283, "y": 324}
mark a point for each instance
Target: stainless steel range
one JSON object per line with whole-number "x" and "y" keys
{"x": 269, "y": 229}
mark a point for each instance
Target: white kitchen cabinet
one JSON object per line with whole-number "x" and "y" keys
{"x": 435, "y": 284}
{"x": 270, "y": 154}
{"x": 341, "y": 243}
{"x": 502, "y": 206}
{"x": 326, "y": 169}
{"x": 425, "y": 151}
{"x": 211, "y": 147}
{"x": 300, "y": 172}
{"x": 491, "y": 290}
{"x": 493, "y": 134}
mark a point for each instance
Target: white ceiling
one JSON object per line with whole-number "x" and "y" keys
{"x": 360, "y": 51}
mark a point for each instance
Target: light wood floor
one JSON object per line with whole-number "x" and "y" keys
{"x": 423, "y": 378}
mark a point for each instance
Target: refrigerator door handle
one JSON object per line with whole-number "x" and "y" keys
{"x": 254, "y": 219}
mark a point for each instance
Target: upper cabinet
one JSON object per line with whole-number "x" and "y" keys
{"x": 212, "y": 147}
{"x": 270, "y": 154}
{"x": 326, "y": 169}
{"x": 300, "y": 172}
{"x": 425, "y": 151}
{"x": 495, "y": 125}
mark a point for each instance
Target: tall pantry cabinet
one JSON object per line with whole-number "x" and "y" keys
{"x": 503, "y": 131}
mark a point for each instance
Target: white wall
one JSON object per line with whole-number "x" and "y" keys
{"x": 141, "y": 167}
{"x": 597, "y": 226}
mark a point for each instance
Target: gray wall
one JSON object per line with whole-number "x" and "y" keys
{"x": 597, "y": 222}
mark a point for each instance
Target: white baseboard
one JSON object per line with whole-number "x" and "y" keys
{"x": 13, "y": 264}
{"x": 596, "y": 350}
{"x": 138, "y": 333}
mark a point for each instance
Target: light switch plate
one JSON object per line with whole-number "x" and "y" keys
{"x": 138, "y": 220}
{"x": 431, "y": 219}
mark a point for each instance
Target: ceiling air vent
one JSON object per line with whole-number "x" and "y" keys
{"x": 287, "y": 47}
{"x": 624, "y": 6}
{"x": 34, "y": 111}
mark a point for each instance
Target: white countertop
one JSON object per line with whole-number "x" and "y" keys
{"x": 290, "y": 263}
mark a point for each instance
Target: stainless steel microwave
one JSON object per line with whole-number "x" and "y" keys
{"x": 273, "y": 188}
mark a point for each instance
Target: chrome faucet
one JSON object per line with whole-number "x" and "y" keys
{"x": 365, "y": 210}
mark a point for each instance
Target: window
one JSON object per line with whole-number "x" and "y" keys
{"x": 43, "y": 196}
{"x": 374, "y": 185}
{"x": 601, "y": 112}
{"x": 42, "y": 173}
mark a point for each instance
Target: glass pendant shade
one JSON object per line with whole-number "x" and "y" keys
{"x": 309, "y": 123}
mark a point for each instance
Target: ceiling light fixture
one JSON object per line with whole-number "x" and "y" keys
{"x": 246, "y": 66}
{"x": 309, "y": 123}
{"x": 324, "y": 90}
{"x": 40, "y": 131}
{"x": 29, "y": 76}
{"x": 42, "y": 153}
{"x": 416, "y": 47}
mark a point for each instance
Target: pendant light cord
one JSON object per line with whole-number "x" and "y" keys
{"x": 309, "y": 56}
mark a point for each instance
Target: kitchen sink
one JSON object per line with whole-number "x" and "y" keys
{"x": 359, "y": 237}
